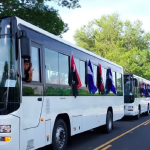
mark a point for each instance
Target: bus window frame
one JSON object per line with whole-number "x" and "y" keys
{"x": 39, "y": 46}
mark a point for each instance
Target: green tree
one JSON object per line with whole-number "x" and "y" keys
{"x": 122, "y": 42}
{"x": 38, "y": 13}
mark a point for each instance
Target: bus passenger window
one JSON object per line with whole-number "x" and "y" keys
{"x": 82, "y": 73}
{"x": 95, "y": 74}
{"x": 119, "y": 81}
{"x": 35, "y": 63}
{"x": 104, "y": 75}
{"x": 114, "y": 77}
{"x": 63, "y": 69}
{"x": 77, "y": 64}
{"x": 51, "y": 64}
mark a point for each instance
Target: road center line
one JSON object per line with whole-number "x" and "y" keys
{"x": 120, "y": 135}
{"x": 147, "y": 123}
{"x": 105, "y": 148}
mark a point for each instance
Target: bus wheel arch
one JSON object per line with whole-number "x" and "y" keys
{"x": 66, "y": 119}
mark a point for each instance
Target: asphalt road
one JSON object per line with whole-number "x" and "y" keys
{"x": 128, "y": 134}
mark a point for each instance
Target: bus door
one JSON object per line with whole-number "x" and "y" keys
{"x": 32, "y": 103}
{"x": 33, "y": 92}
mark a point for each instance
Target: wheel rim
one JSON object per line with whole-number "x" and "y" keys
{"x": 109, "y": 122}
{"x": 60, "y": 136}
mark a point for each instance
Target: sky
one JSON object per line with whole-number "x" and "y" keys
{"x": 94, "y": 9}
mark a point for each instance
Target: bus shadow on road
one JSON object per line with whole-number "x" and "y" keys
{"x": 132, "y": 118}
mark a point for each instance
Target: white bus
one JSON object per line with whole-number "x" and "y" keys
{"x": 44, "y": 112}
{"x": 136, "y": 100}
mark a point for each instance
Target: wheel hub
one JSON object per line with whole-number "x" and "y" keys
{"x": 60, "y": 136}
{"x": 110, "y": 123}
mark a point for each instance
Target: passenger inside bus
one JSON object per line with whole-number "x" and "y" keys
{"x": 28, "y": 71}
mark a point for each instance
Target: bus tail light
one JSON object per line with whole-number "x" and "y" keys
{"x": 130, "y": 108}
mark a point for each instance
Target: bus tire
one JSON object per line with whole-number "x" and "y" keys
{"x": 60, "y": 135}
{"x": 147, "y": 113}
{"x": 109, "y": 122}
{"x": 138, "y": 115}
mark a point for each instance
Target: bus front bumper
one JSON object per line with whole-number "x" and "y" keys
{"x": 10, "y": 140}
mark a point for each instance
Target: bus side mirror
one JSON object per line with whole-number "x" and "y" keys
{"x": 25, "y": 46}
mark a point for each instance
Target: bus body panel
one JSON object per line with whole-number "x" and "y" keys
{"x": 32, "y": 110}
{"x": 14, "y": 143}
{"x": 34, "y": 138}
{"x": 33, "y": 123}
{"x": 91, "y": 109}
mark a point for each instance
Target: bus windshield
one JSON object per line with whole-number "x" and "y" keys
{"x": 128, "y": 85}
{"x": 9, "y": 90}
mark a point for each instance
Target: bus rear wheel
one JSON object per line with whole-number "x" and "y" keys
{"x": 147, "y": 113}
{"x": 109, "y": 122}
{"x": 60, "y": 135}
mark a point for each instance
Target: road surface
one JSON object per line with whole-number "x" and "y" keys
{"x": 128, "y": 134}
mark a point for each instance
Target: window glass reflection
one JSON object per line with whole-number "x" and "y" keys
{"x": 119, "y": 81}
{"x": 51, "y": 62}
{"x": 82, "y": 72}
{"x": 35, "y": 63}
{"x": 63, "y": 69}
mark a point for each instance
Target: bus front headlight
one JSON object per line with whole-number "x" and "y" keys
{"x": 5, "y": 128}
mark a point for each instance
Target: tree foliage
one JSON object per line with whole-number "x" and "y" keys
{"x": 38, "y": 13}
{"x": 122, "y": 42}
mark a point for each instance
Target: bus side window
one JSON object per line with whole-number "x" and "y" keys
{"x": 51, "y": 64}
{"x": 35, "y": 60}
{"x": 63, "y": 69}
{"x": 114, "y": 77}
{"x": 56, "y": 67}
{"x": 82, "y": 73}
{"x": 119, "y": 81}
{"x": 119, "y": 84}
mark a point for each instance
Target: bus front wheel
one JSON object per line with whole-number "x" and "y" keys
{"x": 60, "y": 135}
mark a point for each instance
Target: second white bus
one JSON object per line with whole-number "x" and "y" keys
{"x": 136, "y": 102}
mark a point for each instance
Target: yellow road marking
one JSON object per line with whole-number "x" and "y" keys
{"x": 106, "y": 147}
{"x": 120, "y": 135}
{"x": 147, "y": 123}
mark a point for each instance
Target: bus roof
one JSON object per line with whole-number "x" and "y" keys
{"x": 37, "y": 29}
{"x": 138, "y": 77}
